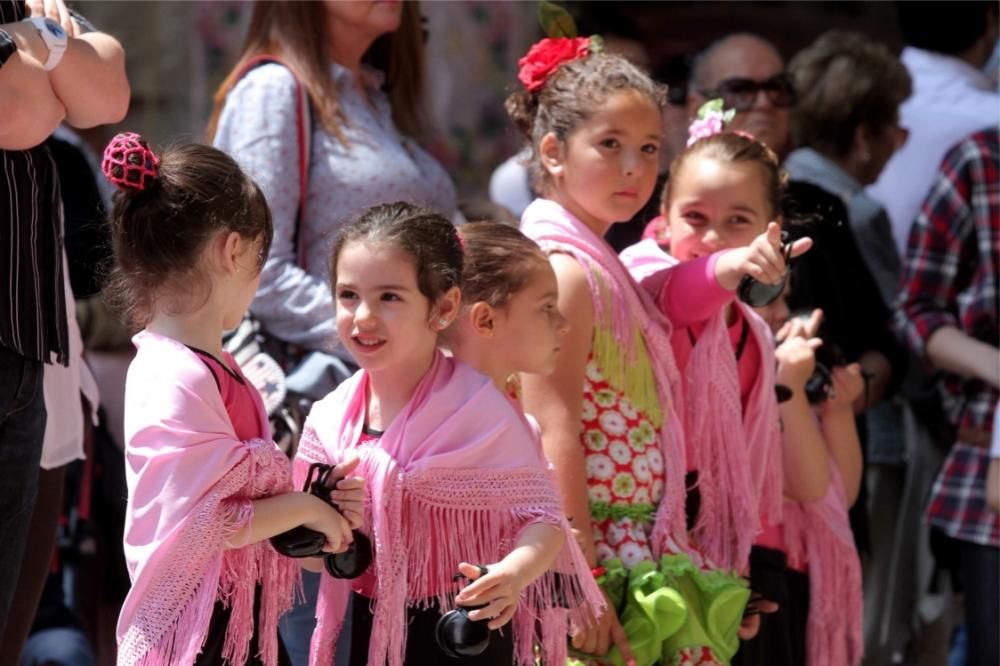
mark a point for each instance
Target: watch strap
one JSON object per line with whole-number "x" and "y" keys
{"x": 7, "y": 47}
{"x": 55, "y": 39}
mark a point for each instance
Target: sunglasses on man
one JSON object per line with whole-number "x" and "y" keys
{"x": 740, "y": 94}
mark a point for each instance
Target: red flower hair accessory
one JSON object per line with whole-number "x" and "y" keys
{"x": 130, "y": 163}
{"x": 546, "y": 56}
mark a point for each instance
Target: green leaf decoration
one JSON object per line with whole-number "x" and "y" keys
{"x": 712, "y": 107}
{"x": 597, "y": 44}
{"x": 556, "y": 21}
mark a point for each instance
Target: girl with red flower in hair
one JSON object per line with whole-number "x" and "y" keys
{"x": 610, "y": 413}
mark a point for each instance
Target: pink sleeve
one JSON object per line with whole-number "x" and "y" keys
{"x": 691, "y": 293}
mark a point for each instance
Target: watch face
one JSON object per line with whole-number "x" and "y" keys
{"x": 56, "y": 29}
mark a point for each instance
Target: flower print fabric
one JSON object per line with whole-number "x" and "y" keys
{"x": 625, "y": 472}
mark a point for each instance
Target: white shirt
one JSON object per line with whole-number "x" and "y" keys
{"x": 995, "y": 445}
{"x": 62, "y": 386}
{"x": 510, "y": 185}
{"x": 951, "y": 100}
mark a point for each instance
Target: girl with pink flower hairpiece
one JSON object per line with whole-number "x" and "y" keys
{"x": 721, "y": 223}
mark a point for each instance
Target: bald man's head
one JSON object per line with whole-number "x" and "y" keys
{"x": 745, "y": 57}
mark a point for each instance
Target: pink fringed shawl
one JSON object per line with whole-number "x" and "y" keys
{"x": 821, "y": 531}
{"x": 626, "y": 317}
{"x": 455, "y": 477}
{"x": 190, "y": 482}
{"x": 738, "y": 459}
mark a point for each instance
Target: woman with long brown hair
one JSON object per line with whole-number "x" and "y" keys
{"x": 336, "y": 88}
{"x": 332, "y": 90}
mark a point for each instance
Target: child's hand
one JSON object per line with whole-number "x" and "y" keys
{"x": 800, "y": 327}
{"x": 750, "y": 625}
{"x": 500, "y": 590}
{"x": 762, "y": 260}
{"x": 349, "y": 492}
{"x": 605, "y": 631}
{"x": 796, "y": 361}
{"x": 848, "y": 385}
{"x": 332, "y": 524}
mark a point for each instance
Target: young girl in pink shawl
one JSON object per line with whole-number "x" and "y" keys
{"x": 611, "y": 412}
{"x": 456, "y": 477}
{"x": 746, "y": 452}
{"x": 206, "y": 485}
{"x": 823, "y": 560}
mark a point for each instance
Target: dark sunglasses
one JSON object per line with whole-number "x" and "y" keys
{"x": 758, "y": 294}
{"x": 740, "y": 94}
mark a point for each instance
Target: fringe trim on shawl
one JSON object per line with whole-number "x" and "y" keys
{"x": 728, "y": 517}
{"x": 632, "y": 376}
{"x": 216, "y": 573}
{"x": 489, "y": 511}
{"x": 836, "y": 606}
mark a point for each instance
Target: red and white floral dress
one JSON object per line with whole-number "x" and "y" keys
{"x": 625, "y": 473}
{"x": 625, "y": 478}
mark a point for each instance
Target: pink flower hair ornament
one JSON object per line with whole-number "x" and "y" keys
{"x": 712, "y": 119}
{"x": 129, "y": 162}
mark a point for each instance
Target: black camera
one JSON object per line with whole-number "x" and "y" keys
{"x": 457, "y": 635}
{"x": 819, "y": 385}
{"x": 304, "y": 542}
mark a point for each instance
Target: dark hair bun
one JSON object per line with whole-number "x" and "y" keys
{"x": 129, "y": 162}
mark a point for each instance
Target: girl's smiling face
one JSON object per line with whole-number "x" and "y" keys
{"x": 714, "y": 206}
{"x": 605, "y": 171}
{"x": 383, "y": 319}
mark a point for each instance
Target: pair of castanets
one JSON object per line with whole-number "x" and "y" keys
{"x": 458, "y": 635}
{"x": 304, "y": 542}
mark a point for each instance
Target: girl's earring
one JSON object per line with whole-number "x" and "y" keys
{"x": 443, "y": 323}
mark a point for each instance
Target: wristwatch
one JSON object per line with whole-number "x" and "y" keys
{"x": 54, "y": 36}
{"x": 7, "y": 47}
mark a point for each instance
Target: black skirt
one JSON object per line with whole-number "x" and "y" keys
{"x": 421, "y": 646}
{"x": 211, "y": 652}
{"x": 781, "y": 640}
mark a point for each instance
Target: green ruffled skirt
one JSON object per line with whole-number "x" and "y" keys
{"x": 673, "y": 606}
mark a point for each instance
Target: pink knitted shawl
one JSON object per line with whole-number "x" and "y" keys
{"x": 821, "y": 531}
{"x": 633, "y": 320}
{"x": 455, "y": 477}
{"x": 738, "y": 458}
{"x": 190, "y": 483}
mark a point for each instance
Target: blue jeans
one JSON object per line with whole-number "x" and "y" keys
{"x": 22, "y": 428}
{"x": 65, "y": 646}
{"x": 981, "y": 577}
